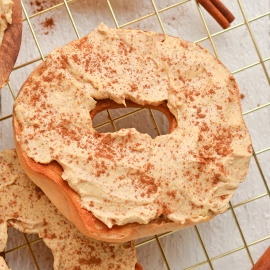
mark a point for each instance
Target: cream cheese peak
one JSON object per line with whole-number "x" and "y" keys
{"x": 5, "y": 16}
{"x": 126, "y": 176}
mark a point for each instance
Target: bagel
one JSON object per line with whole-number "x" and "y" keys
{"x": 25, "y": 207}
{"x": 124, "y": 185}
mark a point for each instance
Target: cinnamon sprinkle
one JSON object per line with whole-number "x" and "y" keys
{"x": 48, "y": 24}
{"x": 40, "y": 5}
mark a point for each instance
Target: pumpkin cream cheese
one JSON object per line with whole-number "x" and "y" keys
{"x": 25, "y": 207}
{"x": 5, "y": 16}
{"x": 123, "y": 177}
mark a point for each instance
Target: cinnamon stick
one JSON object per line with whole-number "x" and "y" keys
{"x": 225, "y": 12}
{"x": 264, "y": 262}
{"x": 215, "y": 13}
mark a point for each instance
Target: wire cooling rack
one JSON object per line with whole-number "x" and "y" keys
{"x": 234, "y": 240}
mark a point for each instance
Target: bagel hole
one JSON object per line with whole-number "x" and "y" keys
{"x": 152, "y": 122}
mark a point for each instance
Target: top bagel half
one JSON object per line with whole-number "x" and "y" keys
{"x": 124, "y": 185}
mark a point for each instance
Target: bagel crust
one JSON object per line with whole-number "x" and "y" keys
{"x": 127, "y": 179}
{"x": 24, "y": 206}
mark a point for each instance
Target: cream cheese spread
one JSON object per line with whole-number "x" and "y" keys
{"x": 25, "y": 207}
{"x": 5, "y": 16}
{"x": 126, "y": 176}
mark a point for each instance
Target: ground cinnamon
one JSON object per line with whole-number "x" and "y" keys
{"x": 215, "y": 13}
{"x": 48, "y": 24}
{"x": 40, "y": 5}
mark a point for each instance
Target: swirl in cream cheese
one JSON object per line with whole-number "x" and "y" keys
{"x": 126, "y": 176}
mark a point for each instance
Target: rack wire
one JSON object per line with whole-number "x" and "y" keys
{"x": 260, "y": 156}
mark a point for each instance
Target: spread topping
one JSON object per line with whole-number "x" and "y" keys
{"x": 126, "y": 176}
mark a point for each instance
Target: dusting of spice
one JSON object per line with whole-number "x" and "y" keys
{"x": 37, "y": 6}
{"x": 48, "y": 24}
{"x": 242, "y": 96}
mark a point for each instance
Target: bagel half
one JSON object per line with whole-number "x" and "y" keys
{"x": 126, "y": 185}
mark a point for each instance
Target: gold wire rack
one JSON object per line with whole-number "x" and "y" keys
{"x": 209, "y": 261}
